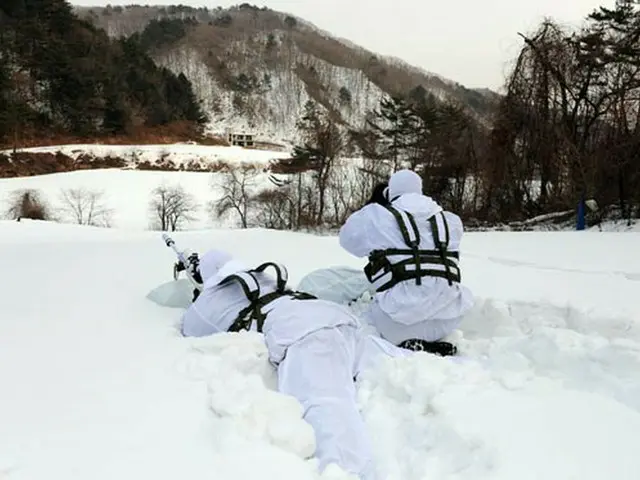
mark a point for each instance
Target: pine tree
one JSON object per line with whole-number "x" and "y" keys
{"x": 390, "y": 123}
{"x": 87, "y": 83}
{"x": 5, "y": 103}
{"x": 323, "y": 142}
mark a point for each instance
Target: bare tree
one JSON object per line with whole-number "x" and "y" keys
{"x": 171, "y": 207}
{"x": 28, "y": 203}
{"x": 275, "y": 208}
{"x": 237, "y": 192}
{"x": 568, "y": 127}
{"x": 348, "y": 190}
{"x": 324, "y": 142}
{"x": 85, "y": 207}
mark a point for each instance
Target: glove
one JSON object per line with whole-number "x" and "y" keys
{"x": 377, "y": 196}
{"x": 193, "y": 267}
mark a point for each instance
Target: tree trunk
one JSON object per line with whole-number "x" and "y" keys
{"x": 299, "y": 200}
{"x": 622, "y": 198}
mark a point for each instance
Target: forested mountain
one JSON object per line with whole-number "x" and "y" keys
{"x": 254, "y": 69}
{"x": 61, "y": 74}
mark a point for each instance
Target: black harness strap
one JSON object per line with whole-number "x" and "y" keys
{"x": 420, "y": 263}
{"x": 282, "y": 275}
{"x": 412, "y": 243}
{"x": 251, "y": 289}
{"x": 442, "y": 246}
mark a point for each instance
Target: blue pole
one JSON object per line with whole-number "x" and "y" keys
{"x": 580, "y": 224}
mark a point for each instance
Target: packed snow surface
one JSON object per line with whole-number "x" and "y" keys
{"x": 98, "y": 384}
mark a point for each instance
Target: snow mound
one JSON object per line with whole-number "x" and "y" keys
{"x": 241, "y": 385}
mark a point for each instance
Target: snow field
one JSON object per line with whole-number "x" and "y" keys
{"x": 97, "y": 383}
{"x": 128, "y": 193}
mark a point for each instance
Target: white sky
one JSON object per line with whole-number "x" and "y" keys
{"x": 471, "y": 42}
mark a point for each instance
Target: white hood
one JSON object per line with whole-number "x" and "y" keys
{"x": 216, "y": 265}
{"x": 405, "y": 193}
{"x": 403, "y": 182}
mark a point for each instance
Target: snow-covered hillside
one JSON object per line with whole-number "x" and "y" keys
{"x": 271, "y": 113}
{"x": 97, "y": 383}
{"x": 127, "y": 192}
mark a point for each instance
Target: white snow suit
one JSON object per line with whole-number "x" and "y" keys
{"x": 429, "y": 311}
{"x": 317, "y": 349}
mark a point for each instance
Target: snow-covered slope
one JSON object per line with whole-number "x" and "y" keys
{"x": 271, "y": 112}
{"x": 127, "y": 192}
{"x": 97, "y": 383}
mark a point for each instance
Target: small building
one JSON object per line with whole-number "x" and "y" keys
{"x": 240, "y": 139}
